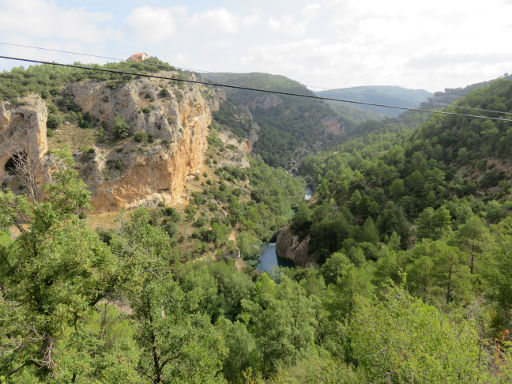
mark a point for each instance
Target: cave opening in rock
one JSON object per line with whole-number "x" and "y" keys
{"x": 14, "y": 162}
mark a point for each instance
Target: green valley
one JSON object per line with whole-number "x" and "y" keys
{"x": 133, "y": 212}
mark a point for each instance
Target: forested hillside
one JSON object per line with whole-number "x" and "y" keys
{"x": 388, "y": 179}
{"x": 408, "y": 234}
{"x": 281, "y": 128}
{"x": 387, "y": 95}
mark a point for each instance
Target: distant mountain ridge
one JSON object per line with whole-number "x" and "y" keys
{"x": 282, "y": 129}
{"x": 379, "y": 94}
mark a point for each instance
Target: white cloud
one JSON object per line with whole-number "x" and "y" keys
{"x": 44, "y": 19}
{"x": 251, "y": 20}
{"x": 152, "y": 25}
{"x": 311, "y": 9}
{"x": 218, "y": 19}
{"x": 335, "y": 43}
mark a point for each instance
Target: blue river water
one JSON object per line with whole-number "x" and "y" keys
{"x": 269, "y": 259}
{"x": 308, "y": 194}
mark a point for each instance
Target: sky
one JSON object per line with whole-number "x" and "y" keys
{"x": 324, "y": 44}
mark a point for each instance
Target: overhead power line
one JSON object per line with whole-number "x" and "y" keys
{"x": 204, "y": 71}
{"x": 284, "y": 93}
{"x": 60, "y": 50}
{"x": 467, "y": 107}
{"x": 82, "y": 54}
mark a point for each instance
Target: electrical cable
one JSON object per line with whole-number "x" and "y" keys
{"x": 204, "y": 71}
{"x": 315, "y": 97}
{"x": 467, "y": 107}
{"x": 61, "y": 51}
{"x": 84, "y": 54}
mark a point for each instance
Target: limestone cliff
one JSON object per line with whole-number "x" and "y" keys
{"x": 172, "y": 119}
{"x": 22, "y": 133}
{"x": 289, "y": 246}
{"x": 177, "y": 121}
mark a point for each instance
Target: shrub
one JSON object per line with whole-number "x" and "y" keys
{"x": 53, "y": 121}
{"x": 121, "y": 128}
{"x": 482, "y": 165}
{"x": 52, "y": 109}
{"x": 492, "y": 178}
{"x": 145, "y": 110}
{"x": 84, "y": 121}
{"x": 164, "y": 93}
{"x": 101, "y": 133}
{"x": 171, "y": 213}
{"x": 139, "y": 136}
{"x": 115, "y": 164}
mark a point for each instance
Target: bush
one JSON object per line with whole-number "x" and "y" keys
{"x": 53, "y": 121}
{"x": 121, "y": 128}
{"x": 52, "y": 109}
{"x": 171, "y": 213}
{"x": 115, "y": 164}
{"x": 139, "y": 136}
{"x": 164, "y": 93}
{"x": 492, "y": 178}
{"x": 482, "y": 165}
{"x": 84, "y": 121}
{"x": 145, "y": 110}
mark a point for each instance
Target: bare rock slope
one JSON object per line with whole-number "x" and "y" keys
{"x": 22, "y": 133}
{"x": 125, "y": 173}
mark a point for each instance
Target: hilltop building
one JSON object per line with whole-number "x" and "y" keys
{"x": 139, "y": 56}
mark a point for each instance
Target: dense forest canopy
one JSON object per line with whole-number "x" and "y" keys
{"x": 409, "y": 230}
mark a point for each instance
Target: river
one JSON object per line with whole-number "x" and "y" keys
{"x": 268, "y": 258}
{"x": 308, "y": 194}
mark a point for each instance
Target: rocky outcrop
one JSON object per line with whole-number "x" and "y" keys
{"x": 171, "y": 119}
{"x": 332, "y": 125}
{"x": 22, "y": 133}
{"x": 265, "y": 102}
{"x": 132, "y": 174}
{"x": 289, "y": 246}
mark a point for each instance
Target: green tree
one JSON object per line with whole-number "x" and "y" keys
{"x": 369, "y": 232}
{"x": 473, "y": 237}
{"x": 52, "y": 275}
{"x": 177, "y": 341}
{"x": 334, "y": 267}
{"x": 242, "y": 349}
{"x": 439, "y": 273}
{"x": 397, "y": 188}
{"x": 402, "y": 340}
{"x": 433, "y": 224}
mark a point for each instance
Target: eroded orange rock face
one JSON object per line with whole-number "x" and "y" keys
{"x": 161, "y": 176}
{"x": 154, "y": 172}
{"x": 22, "y": 130}
{"x": 145, "y": 172}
